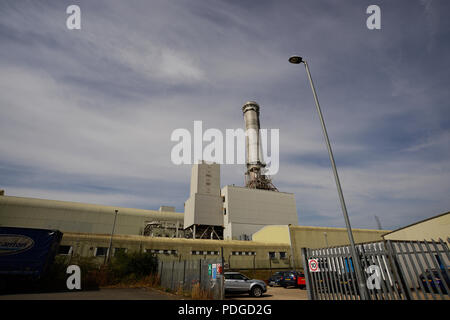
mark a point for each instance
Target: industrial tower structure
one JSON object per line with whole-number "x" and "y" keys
{"x": 254, "y": 176}
{"x": 203, "y": 218}
{"x": 236, "y": 213}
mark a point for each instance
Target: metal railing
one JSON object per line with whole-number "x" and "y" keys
{"x": 184, "y": 275}
{"x": 393, "y": 270}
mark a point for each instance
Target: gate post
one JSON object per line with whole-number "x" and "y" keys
{"x": 398, "y": 274}
{"x": 307, "y": 275}
{"x": 173, "y": 269}
{"x": 184, "y": 274}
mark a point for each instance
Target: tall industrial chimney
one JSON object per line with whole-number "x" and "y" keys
{"x": 254, "y": 178}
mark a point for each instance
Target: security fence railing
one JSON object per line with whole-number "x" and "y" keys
{"x": 185, "y": 274}
{"x": 393, "y": 270}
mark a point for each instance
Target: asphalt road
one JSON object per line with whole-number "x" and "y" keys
{"x": 102, "y": 294}
{"x": 274, "y": 293}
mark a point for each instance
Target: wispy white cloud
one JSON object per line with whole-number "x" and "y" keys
{"x": 98, "y": 105}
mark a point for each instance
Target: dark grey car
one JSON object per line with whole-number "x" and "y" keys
{"x": 238, "y": 283}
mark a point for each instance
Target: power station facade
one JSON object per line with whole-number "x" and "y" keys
{"x": 203, "y": 210}
{"x": 237, "y": 212}
{"x": 215, "y": 218}
{"x": 246, "y": 211}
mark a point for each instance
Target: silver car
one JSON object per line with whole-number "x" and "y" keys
{"x": 238, "y": 283}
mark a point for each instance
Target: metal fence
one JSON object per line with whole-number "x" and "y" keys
{"x": 393, "y": 270}
{"x": 175, "y": 275}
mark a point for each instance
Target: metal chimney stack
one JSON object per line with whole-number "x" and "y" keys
{"x": 254, "y": 178}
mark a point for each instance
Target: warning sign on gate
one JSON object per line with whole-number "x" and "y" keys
{"x": 313, "y": 265}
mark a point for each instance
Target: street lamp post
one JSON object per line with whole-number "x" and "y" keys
{"x": 356, "y": 261}
{"x": 108, "y": 254}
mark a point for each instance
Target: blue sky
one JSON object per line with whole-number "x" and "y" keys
{"x": 86, "y": 115}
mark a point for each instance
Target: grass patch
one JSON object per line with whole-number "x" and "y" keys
{"x": 198, "y": 293}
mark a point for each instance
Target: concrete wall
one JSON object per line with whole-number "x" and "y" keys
{"x": 204, "y": 205}
{"x": 77, "y": 217}
{"x": 430, "y": 229}
{"x": 278, "y": 234}
{"x": 203, "y": 209}
{"x": 317, "y": 237}
{"x": 314, "y": 237}
{"x": 237, "y": 254}
{"x": 249, "y": 210}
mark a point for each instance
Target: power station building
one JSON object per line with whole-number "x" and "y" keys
{"x": 88, "y": 228}
{"x": 203, "y": 210}
{"x": 235, "y": 213}
{"x": 255, "y": 226}
{"x": 232, "y": 213}
{"x": 246, "y": 211}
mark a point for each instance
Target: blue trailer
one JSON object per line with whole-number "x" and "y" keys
{"x": 27, "y": 252}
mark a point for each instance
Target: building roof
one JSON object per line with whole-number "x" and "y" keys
{"x": 418, "y": 222}
{"x": 176, "y": 241}
{"x": 334, "y": 229}
{"x": 78, "y": 206}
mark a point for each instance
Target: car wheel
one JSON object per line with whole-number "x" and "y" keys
{"x": 256, "y": 291}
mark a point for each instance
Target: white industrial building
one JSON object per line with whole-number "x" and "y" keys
{"x": 80, "y": 217}
{"x": 238, "y": 211}
{"x": 203, "y": 209}
{"x": 235, "y": 213}
{"x": 246, "y": 211}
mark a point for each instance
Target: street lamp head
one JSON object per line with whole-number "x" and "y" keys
{"x": 295, "y": 60}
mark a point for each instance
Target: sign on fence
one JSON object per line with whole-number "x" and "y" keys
{"x": 313, "y": 265}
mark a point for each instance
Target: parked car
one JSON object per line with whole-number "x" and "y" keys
{"x": 238, "y": 283}
{"x": 274, "y": 279}
{"x": 288, "y": 279}
{"x": 431, "y": 275}
{"x": 301, "y": 282}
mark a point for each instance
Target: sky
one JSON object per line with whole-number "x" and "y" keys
{"x": 87, "y": 115}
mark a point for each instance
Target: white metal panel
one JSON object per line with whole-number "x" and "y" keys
{"x": 249, "y": 210}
